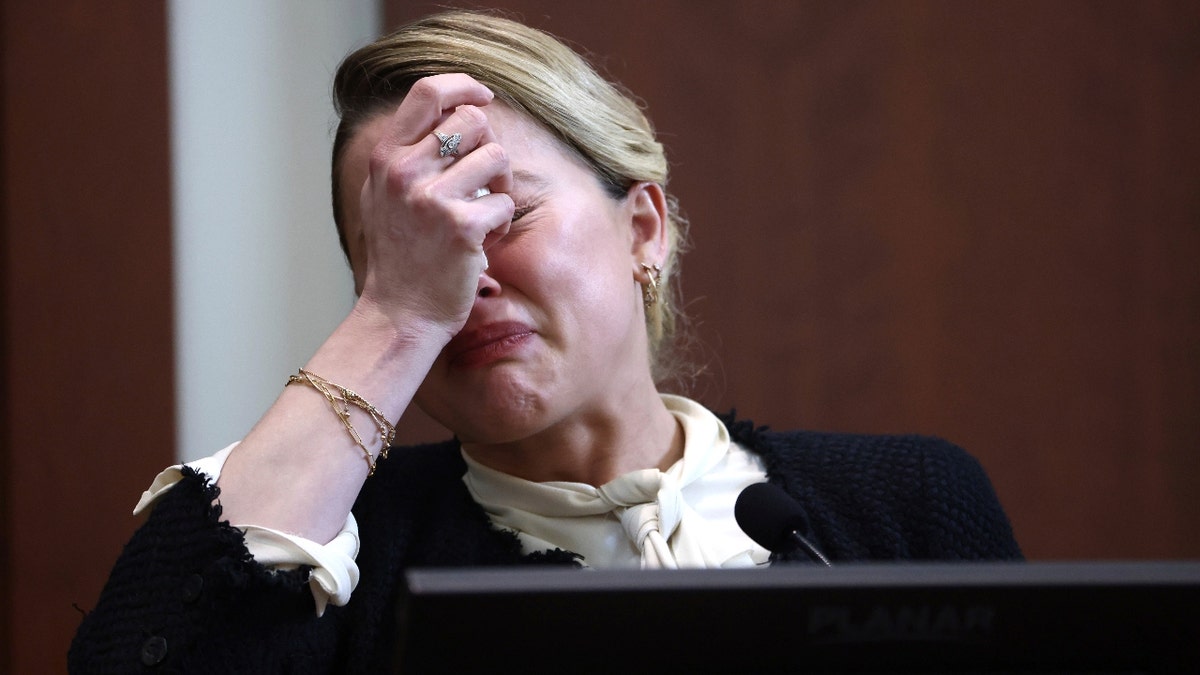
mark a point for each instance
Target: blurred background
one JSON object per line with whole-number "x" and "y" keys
{"x": 975, "y": 220}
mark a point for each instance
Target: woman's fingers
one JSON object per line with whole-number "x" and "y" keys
{"x": 428, "y": 102}
{"x": 435, "y": 200}
{"x": 405, "y": 166}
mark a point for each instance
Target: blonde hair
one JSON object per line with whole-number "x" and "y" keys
{"x": 538, "y": 75}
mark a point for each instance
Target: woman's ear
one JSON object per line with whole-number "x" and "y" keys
{"x": 647, "y": 206}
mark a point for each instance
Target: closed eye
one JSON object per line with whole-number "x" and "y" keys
{"x": 521, "y": 212}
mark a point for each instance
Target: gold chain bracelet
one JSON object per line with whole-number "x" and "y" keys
{"x": 340, "y": 399}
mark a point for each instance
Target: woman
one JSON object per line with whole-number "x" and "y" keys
{"x": 504, "y": 210}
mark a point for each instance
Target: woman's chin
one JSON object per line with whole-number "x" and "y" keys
{"x": 496, "y": 412}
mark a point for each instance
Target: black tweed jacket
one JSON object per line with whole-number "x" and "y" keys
{"x": 185, "y": 596}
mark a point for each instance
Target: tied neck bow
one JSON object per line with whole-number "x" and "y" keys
{"x": 678, "y": 518}
{"x": 649, "y": 506}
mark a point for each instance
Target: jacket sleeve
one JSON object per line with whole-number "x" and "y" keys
{"x": 963, "y": 518}
{"x": 186, "y": 595}
{"x": 889, "y": 497}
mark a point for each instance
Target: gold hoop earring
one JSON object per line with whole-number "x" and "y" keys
{"x": 650, "y": 288}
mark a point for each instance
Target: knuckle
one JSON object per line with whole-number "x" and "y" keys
{"x": 474, "y": 230}
{"x": 425, "y": 199}
{"x": 398, "y": 170}
{"x": 400, "y": 177}
{"x": 423, "y": 92}
{"x": 494, "y": 153}
{"x": 472, "y": 116}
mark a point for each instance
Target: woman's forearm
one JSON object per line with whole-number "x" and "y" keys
{"x": 299, "y": 469}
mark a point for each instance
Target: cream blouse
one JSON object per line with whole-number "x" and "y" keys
{"x": 682, "y": 517}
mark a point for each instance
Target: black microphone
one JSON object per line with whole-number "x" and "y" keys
{"x": 775, "y": 520}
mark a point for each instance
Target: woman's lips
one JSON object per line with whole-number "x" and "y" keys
{"x": 488, "y": 343}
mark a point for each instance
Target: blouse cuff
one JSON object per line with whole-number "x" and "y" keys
{"x": 334, "y": 572}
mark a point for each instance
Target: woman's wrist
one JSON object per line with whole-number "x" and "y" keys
{"x": 382, "y": 355}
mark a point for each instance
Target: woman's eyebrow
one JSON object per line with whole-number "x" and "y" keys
{"x": 530, "y": 180}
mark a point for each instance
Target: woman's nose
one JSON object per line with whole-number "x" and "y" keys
{"x": 488, "y": 286}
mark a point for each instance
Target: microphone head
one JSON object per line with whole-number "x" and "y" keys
{"x": 770, "y": 515}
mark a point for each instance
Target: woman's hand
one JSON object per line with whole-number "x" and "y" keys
{"x": 417, "y": 239}
{"x": 425, "y": 230}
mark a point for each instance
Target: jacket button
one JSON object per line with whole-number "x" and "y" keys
{"x": 154, "y": 651}
{"x": 192, "y": 587}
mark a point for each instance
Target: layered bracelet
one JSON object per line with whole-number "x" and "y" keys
{"x": 340, "y": 399}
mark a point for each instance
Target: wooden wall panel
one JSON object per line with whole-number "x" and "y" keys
{"x": 974, "y": 219}
{"x": 88, "y": 412}
{"x": 978, "y": 220}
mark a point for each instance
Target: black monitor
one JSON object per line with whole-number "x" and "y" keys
{"x": 854, "y": 618}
